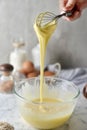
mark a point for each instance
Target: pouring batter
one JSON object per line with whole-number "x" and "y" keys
{"x": 43, "y": 33}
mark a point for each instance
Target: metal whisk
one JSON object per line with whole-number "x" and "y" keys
{"x": 48, "y": 17}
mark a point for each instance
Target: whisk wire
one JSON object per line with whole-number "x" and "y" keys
{"x": 47, "y": 17}
{"x": 44, "y": 18}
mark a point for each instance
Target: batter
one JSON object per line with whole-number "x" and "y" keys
{"x": 43, "y": 33}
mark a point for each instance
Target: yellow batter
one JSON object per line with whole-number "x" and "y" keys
{"x": 51, "y": 116}
{"x": 43, "y": 33}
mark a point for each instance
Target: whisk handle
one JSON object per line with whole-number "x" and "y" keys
{"x": 68, "y": 13}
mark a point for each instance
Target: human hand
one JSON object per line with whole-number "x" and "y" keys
{"x": 66, "y": 5}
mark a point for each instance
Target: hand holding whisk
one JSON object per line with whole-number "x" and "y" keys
{"x": 47, "y": 17}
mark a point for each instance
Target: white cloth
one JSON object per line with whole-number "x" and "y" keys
{"x": 78, "y": 75}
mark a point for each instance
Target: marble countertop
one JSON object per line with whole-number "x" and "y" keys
{"x": 9, "y": 113}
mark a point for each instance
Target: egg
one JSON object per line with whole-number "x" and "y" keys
{"x": 49, "y": 73}
{"x": 33, "y": 74}
{"x": 28, "y": 67}
{"x": 22, "y": 71}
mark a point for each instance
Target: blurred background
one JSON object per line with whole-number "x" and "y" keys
{"x": 68, "y": 44}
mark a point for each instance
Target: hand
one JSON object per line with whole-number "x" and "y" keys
{"x": 66, "y": 5}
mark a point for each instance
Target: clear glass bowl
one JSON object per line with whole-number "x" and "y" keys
{"x": 59, "y": 101}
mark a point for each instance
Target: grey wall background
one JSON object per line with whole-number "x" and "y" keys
{"x": 68, "y": 44}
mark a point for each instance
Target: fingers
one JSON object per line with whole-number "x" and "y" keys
{"x": 62, "y": 4}
{"x": 66, "y": 4}
{"x": 75, "y": 16}
{"x": 70, "y": 4}
{"x": 82, "y": 5}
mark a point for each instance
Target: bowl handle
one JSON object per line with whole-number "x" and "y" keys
{"x": 57, "y": 69}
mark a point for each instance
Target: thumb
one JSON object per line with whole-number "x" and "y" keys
{"x": 70, "y": 4}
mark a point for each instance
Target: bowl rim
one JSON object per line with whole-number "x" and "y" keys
{"x": 47, "y": 77}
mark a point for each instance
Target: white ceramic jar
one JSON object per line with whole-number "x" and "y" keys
{"x": 36, "y": 56}
{"x": 18, "y": 56}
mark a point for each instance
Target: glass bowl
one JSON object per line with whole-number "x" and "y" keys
{"x": 59, "y": 100}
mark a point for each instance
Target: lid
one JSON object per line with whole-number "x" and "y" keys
{"x": 6, "y": 67}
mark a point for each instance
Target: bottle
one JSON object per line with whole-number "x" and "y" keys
{"x": 36, "y": 57}
{"x": 18, "y": 56}
{"x": 6, "y": 78}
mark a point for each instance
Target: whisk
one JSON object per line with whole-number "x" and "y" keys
{"x": 48, "y": 17}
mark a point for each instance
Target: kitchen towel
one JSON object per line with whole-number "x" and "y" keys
{"x": 77, "y": 75}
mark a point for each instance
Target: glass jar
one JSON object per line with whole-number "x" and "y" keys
{"x": 6, "y": 78}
